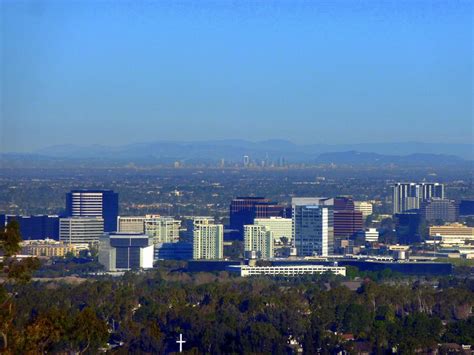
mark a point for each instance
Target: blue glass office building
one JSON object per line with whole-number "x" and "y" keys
{"x": 35, "y": 227}
{"x": 94, "y": 203}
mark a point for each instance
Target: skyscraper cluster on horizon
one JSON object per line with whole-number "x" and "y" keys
{"x": 310, "y": 226}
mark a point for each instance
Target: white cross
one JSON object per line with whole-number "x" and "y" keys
{"x": 181, "y": 342}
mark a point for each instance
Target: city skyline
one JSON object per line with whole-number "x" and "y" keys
{"x": 327, "y": 72}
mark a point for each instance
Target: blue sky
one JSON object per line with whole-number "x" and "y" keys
{"x": 117, "y": 72}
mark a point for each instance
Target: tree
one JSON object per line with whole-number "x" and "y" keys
{"x": 11, "y": 270}
{"x": 89, "y": 332}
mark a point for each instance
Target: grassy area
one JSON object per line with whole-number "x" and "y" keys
{"x": 456, "y": 262}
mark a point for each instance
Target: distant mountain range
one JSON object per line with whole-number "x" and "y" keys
{"x": 272, "y": 150}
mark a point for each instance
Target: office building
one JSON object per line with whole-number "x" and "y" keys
{"x": 162, "y": 229}
{"x": 188, "y": 223}
{"x": 365, "y": 207}
{"x": 243, "y": 211}
{"x": 79, "y": 230}
{"x": 306, "y": 201}
{"x": 454, "y": 233}
{"x": 347, "y": 221}
{"x": 313, "y": 230}
{"x": 174, "y": 251}
{"x": 408, "y": 196}
{"x": 259, "y": 240}
{"x": 48, "y": 248}
{"x": 466, "y": 208}
{"x": 371, "y": 235}
{"x": 131, "y": 224}
{"x": 286, "y": 270}
{"x": 34, "y": 227}
{"x": 437, "y": 209}
{"x": 208, "y": 241}
{"x": 408, "y": 227}
{"x": 246, "y": 161}
{"x": 279, "y": 226}
{"x": 126, "y": 251}
{"x": 94, "y": 203}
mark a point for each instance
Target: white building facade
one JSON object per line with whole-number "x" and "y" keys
{"x": 408, "y": 196}
{"x": 258, "y": 239}
{"x": 287, "y": 270}
{"x": 279, "y": 226}
{"x": 126, "y": 251}
{"x": 313, "y": 229}
{"x": 162, "y": 229}
{"x": 365, "y": 207}
{"x": 208, "y": 241}
{"x": 80, "y": 230}
{"x": 131, "y": 224}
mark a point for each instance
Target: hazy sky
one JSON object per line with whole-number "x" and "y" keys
{"x": 100, "y": 72}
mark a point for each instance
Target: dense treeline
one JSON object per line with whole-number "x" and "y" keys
{"x": 218, "y": 314}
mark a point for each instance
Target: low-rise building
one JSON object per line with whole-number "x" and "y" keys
{"x": 452, "y": 229}
{"x": 287, "y": 270}
{"x": 49, "y": 248}
{"x": 174, "y": 251}
{"x": 371, "y": 235}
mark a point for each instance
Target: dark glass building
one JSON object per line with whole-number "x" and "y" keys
{"x": 347, "y": 221}
{"x": 466, "y": 208}
{"x": 35, "y": 227}
{"x": 243, "y": 210}
{"x": 408, "y": 227}
{"x": 94, "y": 203}
{"x": 174, "y": 251}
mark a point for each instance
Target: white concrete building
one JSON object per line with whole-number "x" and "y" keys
{"x": 258, "y": 239}
{"x": 131, "y": 224}
{"x": 279, "y": 226}
{"x": 371, "y": 235}
{"x": 287, "y": 270}
{"x": 162, "y": 229}
{"x": 408, "y": 196}
{"x": 365, "y": 207}
{"x": 208, "y": 241}
{"x": 79, "y": 230}
{"x": 126, "y": 251}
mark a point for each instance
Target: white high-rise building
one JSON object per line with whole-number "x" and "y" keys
{"x": 279, "y": 226}
{"x": 162, "y": 229}
{"x": 80, "y": 230}
{"x": 208, "y": 241}
{"x": 408, "y": 196}
{"x": 365, "y": 207}
{"x": 313, "y": 230}
{"x": 258, "y": 239}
